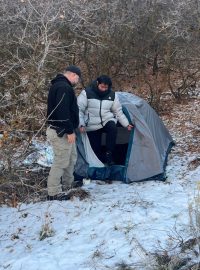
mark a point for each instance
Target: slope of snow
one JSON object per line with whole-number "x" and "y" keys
{"x": 118, "y": 223}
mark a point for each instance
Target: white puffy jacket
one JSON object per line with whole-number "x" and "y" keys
{"x": 95, "y": 111}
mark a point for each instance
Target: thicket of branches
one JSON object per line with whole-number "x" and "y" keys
{"x": 146, "y": 46}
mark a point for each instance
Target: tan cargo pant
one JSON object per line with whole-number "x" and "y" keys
{"x": 65, "y": 157}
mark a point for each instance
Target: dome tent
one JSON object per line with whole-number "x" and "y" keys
{"x": 139, "y": 155}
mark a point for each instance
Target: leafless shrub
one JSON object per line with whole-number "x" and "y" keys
{"x": 165, "y": 262}
{"x": 46, "y": 230}
{"x": 124, "y": 266}
{"x": 194, "y": 163}
{"x": 147, "y": 47}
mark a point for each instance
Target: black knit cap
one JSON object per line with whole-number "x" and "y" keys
{"x": 74, "y": 69}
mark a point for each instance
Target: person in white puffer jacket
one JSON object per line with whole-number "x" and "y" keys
{"x": 99, "y": 111}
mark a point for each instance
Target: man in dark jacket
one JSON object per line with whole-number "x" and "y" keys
{"x": 63, "y": 119}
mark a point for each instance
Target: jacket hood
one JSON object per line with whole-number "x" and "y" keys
{"x": 59, "y": 78}
{"x": 101, "y": 94}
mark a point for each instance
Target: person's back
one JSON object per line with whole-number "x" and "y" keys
{"x": 62, "y": 111}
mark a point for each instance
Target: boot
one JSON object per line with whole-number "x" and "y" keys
{"x": 59, "y": 197}
{"x": 77, "y": 183}
{"x": 109, "y": 160}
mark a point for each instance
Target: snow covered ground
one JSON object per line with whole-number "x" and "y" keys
{"x": 118, "y": 223}
{"x": 118, "y": 227}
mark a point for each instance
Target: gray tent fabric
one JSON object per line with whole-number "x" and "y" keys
{"x": 90, "y": 156}
{"x": 150, "y": 142}
{"x": 82, "y": 165}
{"x": 148, "y": 146}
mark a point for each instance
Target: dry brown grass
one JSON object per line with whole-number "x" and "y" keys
{"x": 26, "y": 186}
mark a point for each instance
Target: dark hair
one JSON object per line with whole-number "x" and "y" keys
{"x": 105, "y": 80}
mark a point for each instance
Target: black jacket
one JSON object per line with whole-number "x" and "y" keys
{"x": 62, "y": 110}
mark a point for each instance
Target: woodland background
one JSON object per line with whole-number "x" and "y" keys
{"x": 150, "y": 48}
